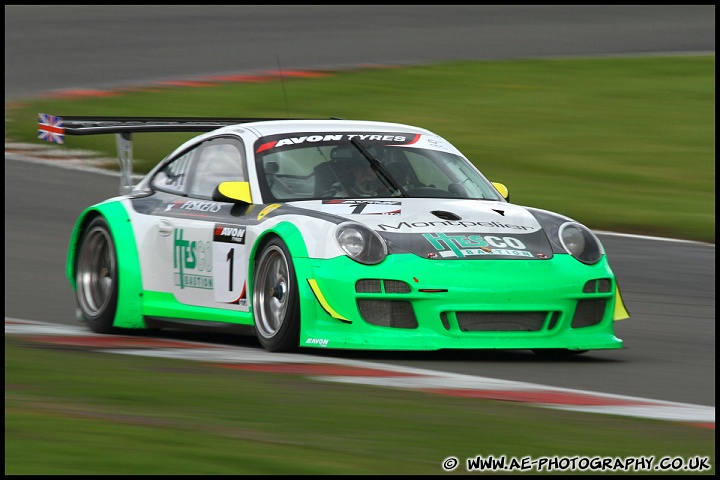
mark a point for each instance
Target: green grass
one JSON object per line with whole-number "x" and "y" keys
{"x": 623, "y": 144}
{"x": 72, "y": 411}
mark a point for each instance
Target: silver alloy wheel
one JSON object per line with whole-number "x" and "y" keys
{"x": 96, "y": 273}
{"x": 272, "y": 292}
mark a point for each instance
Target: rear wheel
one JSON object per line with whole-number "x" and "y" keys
{"x": 275, "y": 298}
{"x": 96, "y": 277}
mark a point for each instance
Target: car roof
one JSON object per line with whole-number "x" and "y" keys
{"x": 274, "y": 127}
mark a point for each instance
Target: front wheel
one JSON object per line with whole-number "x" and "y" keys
{"x": 275, "y": 299}
{"x": 96, "y": 277}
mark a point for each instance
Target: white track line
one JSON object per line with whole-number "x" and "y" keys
{"x": 416, "y": 379}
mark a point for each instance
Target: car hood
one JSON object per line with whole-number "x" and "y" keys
{"x": 442, "y": 228}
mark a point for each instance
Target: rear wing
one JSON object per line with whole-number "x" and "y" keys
{"x": 53, "y": 129}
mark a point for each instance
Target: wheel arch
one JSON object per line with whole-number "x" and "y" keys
{"x": 128, "y": 313}
{"x": 293, "y": 239}
{"x": 289, "y": 234}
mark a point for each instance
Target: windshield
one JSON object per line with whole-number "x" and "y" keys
{"x": 374, "y": 169}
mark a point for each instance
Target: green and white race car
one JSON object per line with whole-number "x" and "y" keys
{"x": 332, "y": 234}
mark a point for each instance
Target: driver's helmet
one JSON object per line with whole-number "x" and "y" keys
{"x": 348, "y": 160}
{"x": 367, "y": 184}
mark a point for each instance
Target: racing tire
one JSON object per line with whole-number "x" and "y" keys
{"x": 276, "y": 305}
{"x": 96, "y": 277}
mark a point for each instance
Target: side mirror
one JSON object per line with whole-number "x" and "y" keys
{"x": 503, "y": 190}
{"x": 232, "y": 192}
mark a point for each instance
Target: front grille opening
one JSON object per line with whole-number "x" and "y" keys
{"x": 553, "y": 320}
{"x": 396, "y": 286}
{"x": 501, "y": 321}
{"x": 588, "y": 313}
{"x": 601, "y": 285}
{"x": 388, "y": 313}
{"x": 444, "y": 320}
{"x": 590, "y": 286}
{"x": 367, "y": 286}
{"x": 376, "y": 286}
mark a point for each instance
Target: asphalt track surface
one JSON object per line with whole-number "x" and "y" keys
{"x": 668, "y": 286}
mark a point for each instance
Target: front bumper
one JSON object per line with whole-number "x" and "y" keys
{"x": 411, "y": 303}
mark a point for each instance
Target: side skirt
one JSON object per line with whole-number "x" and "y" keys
{"x": 199, "y": 325}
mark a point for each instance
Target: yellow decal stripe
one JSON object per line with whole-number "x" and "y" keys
{"x": 620, "y": 312}
{"x": 318, "y": 294}
{"x": 267, "y": 210}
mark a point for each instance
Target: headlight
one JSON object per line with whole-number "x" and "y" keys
{"x": 568, "y": 236}
{"x": 361, "y": 243}
{"x": 580, "y": 242}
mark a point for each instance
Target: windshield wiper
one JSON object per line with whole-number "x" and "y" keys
{"x": 379, "y": 168}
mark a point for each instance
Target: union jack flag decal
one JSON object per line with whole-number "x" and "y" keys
{"x": 51, "y": 128}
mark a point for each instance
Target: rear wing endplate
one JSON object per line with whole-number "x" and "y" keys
{"x": 54, "y": 128}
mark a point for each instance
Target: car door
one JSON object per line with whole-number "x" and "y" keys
{"x": 198, "y": 245}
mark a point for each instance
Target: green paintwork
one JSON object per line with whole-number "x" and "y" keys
{"x": 473, "y": 285}
{"x": 161, "y": 304}
{"x": 129, "y": 305}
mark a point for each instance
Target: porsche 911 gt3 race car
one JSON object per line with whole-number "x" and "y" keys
{"x": 332, "y": 234}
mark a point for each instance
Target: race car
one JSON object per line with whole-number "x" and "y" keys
{"x": 331, "y": 233}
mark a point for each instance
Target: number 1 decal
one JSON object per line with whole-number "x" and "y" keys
{"x": 229, "y": 265}
{"x": 230, "y": 258}
{"x": 362, "y": 207}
